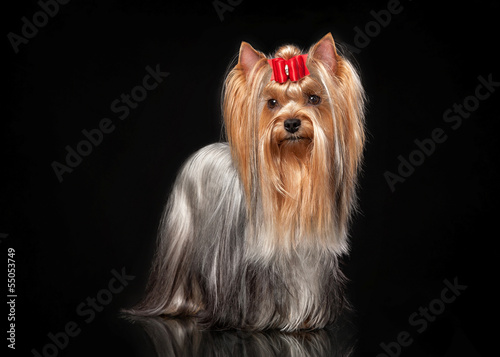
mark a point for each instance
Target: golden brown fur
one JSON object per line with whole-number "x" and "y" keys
{"x": 307, "y": 186}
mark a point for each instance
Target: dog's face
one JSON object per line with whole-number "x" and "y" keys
{"x": 292, "y": 115}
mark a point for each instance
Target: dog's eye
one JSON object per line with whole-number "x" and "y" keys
{"x": 272, "y": 103}
{"x": 314, "y": 99}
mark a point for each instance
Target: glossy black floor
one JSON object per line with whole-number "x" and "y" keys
{"x": 421, "y": 270}
{"x": 183, "y": 338}
{"x": 123, "y": 335}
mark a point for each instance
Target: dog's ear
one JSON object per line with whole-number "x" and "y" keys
{"x": 248, "y": 57}
{"x": 324, "y": 51}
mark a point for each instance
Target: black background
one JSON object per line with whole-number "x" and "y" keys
{"x": 439, "y": 224}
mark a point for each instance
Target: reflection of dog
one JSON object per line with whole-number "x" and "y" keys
{"x": 253, "y": 230}
{"x": 183, "y": 338}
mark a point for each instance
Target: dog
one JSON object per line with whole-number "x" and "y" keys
{"x": 254, "y": 228}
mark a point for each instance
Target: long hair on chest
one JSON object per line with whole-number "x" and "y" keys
{"x": 254, "y": 227}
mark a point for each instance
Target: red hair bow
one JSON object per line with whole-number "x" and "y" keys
{"x": 293, "y": 69}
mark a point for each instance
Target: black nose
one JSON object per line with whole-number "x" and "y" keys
{"x": 292, "y": 125}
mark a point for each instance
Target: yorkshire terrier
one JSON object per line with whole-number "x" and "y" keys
{"x": 254, "y": 228}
